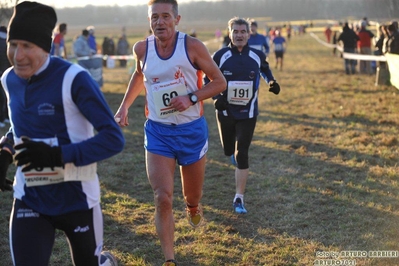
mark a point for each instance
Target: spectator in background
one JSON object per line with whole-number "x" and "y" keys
{"x": 365, "y": 20}
{"x": 272, "y": 33}
{"x": 289, "y": 31}
{"x": 328, "y": 33}
{"x": 92, "y": 38}
{"x": 58, "y": 47}
{"x": 81, "y": 46}
{"x": 335, "y": 41}
{"x": 226, "y": 39}
{"x": 393, "y": 39}
{"x": 4, "y": 64}
{"x": 93, "y": 64}
{"x": 381, "y": 34}
{"x": 122, "y": 48}
{"x": 349, "y": 39}
{"x": 378, "y": 44}
{"x": 396, "y": 25}
{"x": 193, "y": 33}
{"x": 108, "y": 48}
{"x": 218, "y": 34}
{"x": 258, "y": 41}
{"x": 279, "y": 46}
{"x": 364, "y": 45}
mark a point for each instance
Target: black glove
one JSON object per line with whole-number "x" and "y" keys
{"x": 274, "y": 87}
{"x": 38, "y": 155}
{"x": 5, "y": 161}
{"x": 221, "y": 104}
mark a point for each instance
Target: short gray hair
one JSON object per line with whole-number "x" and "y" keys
{"x": 238, "y": 21}
{"x": 172, "y": 2}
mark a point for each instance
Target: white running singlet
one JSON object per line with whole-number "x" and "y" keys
{"x": 165, "y": 78}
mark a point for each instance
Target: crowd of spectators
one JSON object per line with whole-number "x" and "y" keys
{"x": 358, "y": 38}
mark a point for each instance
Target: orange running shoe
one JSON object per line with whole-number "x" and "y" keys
{"x": 194, "y": 215}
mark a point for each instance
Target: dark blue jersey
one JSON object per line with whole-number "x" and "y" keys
{"x": 245, "y": 67}
{"x": 64, "y": 104}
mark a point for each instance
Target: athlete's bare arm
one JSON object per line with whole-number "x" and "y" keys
{"x": 200, "y": 57}
{"x": 136, "y": 85}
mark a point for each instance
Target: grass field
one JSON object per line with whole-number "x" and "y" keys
{"x": 323, "y": 176}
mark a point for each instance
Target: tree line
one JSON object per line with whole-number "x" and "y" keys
{"x": 222, "y": 10}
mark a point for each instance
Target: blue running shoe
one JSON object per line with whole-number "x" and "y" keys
{"x": 239, "y": 207}
{"x": 233, "y": 160}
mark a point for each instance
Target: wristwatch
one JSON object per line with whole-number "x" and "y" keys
{"x": 193, "y": 98}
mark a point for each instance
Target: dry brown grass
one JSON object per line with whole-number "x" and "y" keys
{"x": 323, "y": 176}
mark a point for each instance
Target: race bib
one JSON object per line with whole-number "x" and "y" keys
{"x": 81, "y": 173}
{"x": 239, "y": 92}
{"x": 278, "y": 47}
{"x": 164, "y": 92}
{"x": 48, "y": 176}
{"x": 45, "y": 177}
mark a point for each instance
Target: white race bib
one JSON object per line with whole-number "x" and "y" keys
{"x": 239, "y": 92}
{"x": 49, "y": 176}
{"x": 71, "y": 173}
{"x": 44, "y": 177}
{"x": 278, "y": 47}
{"x": 81, "y": 173}
{"x": 164, "y": 92}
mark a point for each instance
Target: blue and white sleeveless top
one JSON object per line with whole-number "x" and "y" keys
{"x": 165, "y": 78}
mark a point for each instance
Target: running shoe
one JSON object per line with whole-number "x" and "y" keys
{"x": 170, "y": 263}
{"x": 107, "y": 259}
{"x": 233, "y": 160}
{"x": 239, "y": 207}
{"x": 194, "y": 215}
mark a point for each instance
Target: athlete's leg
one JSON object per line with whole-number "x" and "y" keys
{"x": 280, "y": 61}
{"x": 160, "y": 172}
{"x": 84, "y": 231}
{"x": 31, "y": 236}
{"x": 192, "y": 177}
{"x": 227, "y": 134}
{"x": 245, "y": 130}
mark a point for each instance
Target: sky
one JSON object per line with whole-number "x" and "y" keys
{"x": 82, "y": 3}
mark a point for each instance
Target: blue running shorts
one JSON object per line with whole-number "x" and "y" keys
{"x": 187, "y": 143}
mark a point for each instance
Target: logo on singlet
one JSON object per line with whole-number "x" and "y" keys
{"x": 46, "y": 109}
{"x": 227, "y": 73}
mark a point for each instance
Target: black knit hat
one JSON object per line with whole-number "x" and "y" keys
{"x": 33, "y": 22}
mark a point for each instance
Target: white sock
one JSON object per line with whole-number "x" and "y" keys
{"x": 240, "y": 196}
